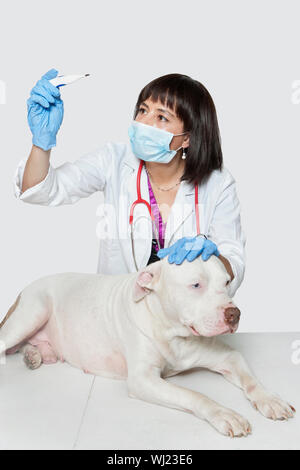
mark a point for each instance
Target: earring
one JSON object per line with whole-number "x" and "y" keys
{"x": 183, "y": 155}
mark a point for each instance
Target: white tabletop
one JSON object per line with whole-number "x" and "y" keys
{"x": 60, "y": 407}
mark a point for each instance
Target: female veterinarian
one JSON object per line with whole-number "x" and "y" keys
{"x": 166, "y": 191}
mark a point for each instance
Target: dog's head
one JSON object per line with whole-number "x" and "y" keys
{"x": 192, "y": 293}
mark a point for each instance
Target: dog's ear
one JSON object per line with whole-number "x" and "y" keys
{"x": 146, "y": 280}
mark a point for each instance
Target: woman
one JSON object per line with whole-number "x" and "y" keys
{"x": 175, "y": 153}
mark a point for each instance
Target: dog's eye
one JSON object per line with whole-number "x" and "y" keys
{"x": 197, "y": 285}
{"x": 228, "y": 282}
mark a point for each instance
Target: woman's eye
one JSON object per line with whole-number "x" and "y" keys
{"x": 164, "y": 119}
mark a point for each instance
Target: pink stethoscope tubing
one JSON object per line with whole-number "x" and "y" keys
{"x": 143, "y": 201}
{"x": 139, "y": 200}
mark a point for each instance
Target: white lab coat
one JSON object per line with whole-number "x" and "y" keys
{"x": 113, "y": 170}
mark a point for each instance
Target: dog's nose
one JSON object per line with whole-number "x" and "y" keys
{"x": 232, "y": 315}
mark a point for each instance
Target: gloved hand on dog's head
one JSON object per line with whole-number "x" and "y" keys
{"x": 189, "y": 248}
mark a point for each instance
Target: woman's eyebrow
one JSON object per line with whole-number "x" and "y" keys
{"x": 163, "y": 110}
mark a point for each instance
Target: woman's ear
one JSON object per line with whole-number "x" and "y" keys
{"x": 186, "y": 141}
{"x": 146, "y": 280}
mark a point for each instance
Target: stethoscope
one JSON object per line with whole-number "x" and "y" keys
{"x": 143, "y": 201}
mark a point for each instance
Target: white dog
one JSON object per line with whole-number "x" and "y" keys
{"x": 142, "y": 327}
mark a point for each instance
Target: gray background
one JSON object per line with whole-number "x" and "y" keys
{"x": 245, "y": 53}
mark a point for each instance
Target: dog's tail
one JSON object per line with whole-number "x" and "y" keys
{"x": 11, "y": 310}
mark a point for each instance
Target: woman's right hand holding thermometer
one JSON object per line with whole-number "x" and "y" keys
{"x": 45, "y": 111}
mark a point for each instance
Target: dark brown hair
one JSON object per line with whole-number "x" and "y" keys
{"x": 192, "y": 103}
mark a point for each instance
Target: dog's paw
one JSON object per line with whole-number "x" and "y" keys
{"x": 271, "y": 406}
{"x": 229, "y": 423}
{"x": 47, "y": 353}
{"x": 32, "y": 357}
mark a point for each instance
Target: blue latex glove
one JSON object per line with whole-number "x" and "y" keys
{"x": 45, "y": 111}
{"x": 189, "y": 248}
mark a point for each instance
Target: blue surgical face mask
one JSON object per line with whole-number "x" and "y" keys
{"x": 151, "y": 144}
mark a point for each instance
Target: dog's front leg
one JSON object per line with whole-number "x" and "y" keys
{"x": 235, "y": 369}
{"x": 149, "y": 386}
